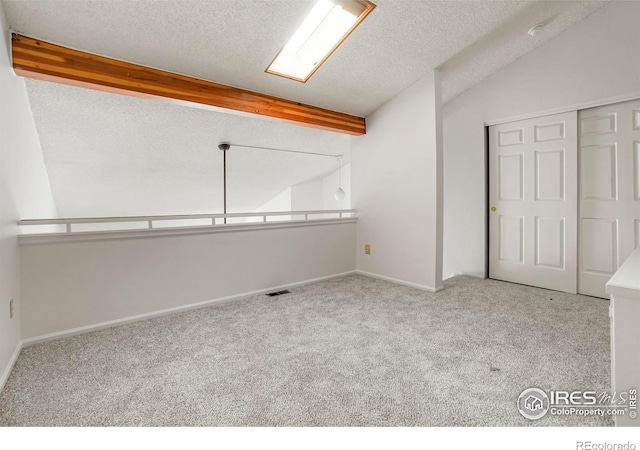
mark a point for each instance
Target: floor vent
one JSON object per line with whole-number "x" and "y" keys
{"x": 273, "y": 294}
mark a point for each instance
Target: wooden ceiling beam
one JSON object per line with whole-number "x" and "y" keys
{"x": 41, "y": 60}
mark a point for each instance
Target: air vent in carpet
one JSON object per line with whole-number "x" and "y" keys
{"x": 273, "y": 294}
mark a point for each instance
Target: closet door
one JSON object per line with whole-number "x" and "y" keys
{"x": 533, "y": 202}
{"x": 609, "y": 192}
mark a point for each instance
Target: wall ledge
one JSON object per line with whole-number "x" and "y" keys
{"x": 626, "y": 281}
{"x": 48, "y": 238}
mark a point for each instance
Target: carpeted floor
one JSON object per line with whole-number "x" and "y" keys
{"x": 350, "y": 351}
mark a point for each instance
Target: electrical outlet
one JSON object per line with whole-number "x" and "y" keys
{"x": 367, "y": 249}
{"x": 11, "y": 309}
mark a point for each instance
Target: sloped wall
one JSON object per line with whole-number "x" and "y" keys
{"x": 24, "y": 192}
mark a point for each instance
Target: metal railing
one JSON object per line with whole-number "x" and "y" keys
{"x": 142, "y": 223}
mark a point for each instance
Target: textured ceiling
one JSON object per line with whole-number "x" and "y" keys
{"x": 114, "y": 155}
{"x": 111, "y": 155}
{"x": 504, "y": 44}
{"x": 233, "y": 41}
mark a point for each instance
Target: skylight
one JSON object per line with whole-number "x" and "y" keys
{"x": 320, "y": 34}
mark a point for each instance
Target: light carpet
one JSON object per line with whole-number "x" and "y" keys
{"x": 352, "y": 351}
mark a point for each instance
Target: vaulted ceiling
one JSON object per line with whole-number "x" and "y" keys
{"x": 107, "y": 154}
{"x": 233, "y": 41}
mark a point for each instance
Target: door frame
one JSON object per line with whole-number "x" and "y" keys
{"x": 487, "y": 192}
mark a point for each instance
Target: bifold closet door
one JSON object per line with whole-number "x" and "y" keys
{"x": 533, "y": 202}
{"x": 609, "y": 192}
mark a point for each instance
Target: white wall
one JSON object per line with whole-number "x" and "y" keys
{"x": 319, "y": 193}
{"x": 66, "y": 285}
{"x": 24, "y": 191}
{"x": 396, "y": 173}
{"x": 465, "y": 227}
{"x": 594, "y": 62}
{"x": 281, "y": 202}
{"x": 307, "y": 196}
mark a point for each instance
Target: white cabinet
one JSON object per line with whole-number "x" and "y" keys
{"x": 624, "y": 288}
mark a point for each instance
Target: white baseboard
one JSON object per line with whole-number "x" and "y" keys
{"x": 164, "y": 312}
{"x": 402, "y": 282}
{"x": 9, "y": 368}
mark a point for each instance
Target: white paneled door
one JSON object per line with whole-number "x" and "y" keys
{"x": 533, "y": 168}
{"x": 609, "y": 192}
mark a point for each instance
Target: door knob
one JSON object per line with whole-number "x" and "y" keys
{"x": 494, "y": 209}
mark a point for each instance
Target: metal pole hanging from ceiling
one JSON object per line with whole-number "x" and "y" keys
{"x": 224, "y": 162}
{"x": 224, "y": 147}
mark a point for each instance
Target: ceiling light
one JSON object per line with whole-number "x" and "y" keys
{"x": 323, "y": 30}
